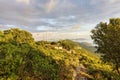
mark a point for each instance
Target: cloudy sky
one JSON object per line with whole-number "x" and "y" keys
{"x": 57, "y": 19}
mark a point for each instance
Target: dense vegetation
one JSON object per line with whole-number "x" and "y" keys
{"x": 107, "y": 38}
{"x": 21, "y": 58}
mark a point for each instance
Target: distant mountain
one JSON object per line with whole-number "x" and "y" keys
{"x": 88, "y": 46}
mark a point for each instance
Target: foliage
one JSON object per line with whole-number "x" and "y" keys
{"x": 107, "y": 38}
{"x": 17, "y": 35}
{"x": 19, "y": 60}
{"x": 68, "y": 44}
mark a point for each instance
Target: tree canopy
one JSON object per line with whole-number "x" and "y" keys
{"x": 107, "y": 38}
{"x": 17, "y": 35}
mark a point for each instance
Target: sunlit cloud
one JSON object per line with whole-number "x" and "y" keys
{"x": 43, "y": 28}
{"x": 50, "y": 5}
{"x": 24, "y": 1}
{"x": 83, "y": 35}
{"x": 76, "y": 27}
{"x": 62, "y": 16}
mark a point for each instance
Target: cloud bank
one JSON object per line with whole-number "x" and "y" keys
{"x": 56, "y": 15}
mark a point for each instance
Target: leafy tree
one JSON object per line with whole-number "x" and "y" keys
{"x": 13, "y": 60}
{"x": 107, "y": 40}
{"x": 20, "y": 36}
{"x": 1, "y": 35}
{"x": 21, "y": 61}
{"x": 1, "y": 32}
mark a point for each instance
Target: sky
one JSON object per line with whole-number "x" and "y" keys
{"x": 57, "y": 19}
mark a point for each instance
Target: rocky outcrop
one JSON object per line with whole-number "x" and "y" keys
{"x": 80, "y": 73}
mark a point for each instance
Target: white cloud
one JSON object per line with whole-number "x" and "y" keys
{"x": 24, "y": 1}
{"x": 51, "y": 5}
{"x": 59, "y": 36}
{"x": 43, "y": 28}
{"x": 49, "y": 21}
{"x": 112, "y": 1}
{"x": 57, "y": 14}
{"x": 67, "y": 17}
{"x": 7, "y": 26}
{"x": 76, "y": 27}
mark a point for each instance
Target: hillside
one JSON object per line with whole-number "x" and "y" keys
{"x": 88, "y": 46}
{"x": 21, "y": 58}
{"x": 78, "y": 62}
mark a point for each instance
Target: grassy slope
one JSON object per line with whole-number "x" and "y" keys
{"x": 75, "y": 57}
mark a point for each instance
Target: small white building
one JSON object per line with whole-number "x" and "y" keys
{"x": 58, "y": 47}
